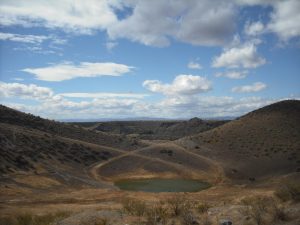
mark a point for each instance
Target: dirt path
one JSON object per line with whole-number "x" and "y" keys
{"x": 94, "y": 171}
{"x": 218, "y": 171}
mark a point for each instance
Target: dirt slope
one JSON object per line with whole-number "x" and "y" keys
{"x": 263, "y": 143}
{"x": 29, "y": 121}
{"x": 33, "y": 150}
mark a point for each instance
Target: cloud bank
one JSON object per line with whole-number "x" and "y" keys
{"x": 57, "y": 106}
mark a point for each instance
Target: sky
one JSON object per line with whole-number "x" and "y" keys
{"x": 113, "y": 59}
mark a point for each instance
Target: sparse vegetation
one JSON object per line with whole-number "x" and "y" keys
{"x": 133, "y": 207}
{"x": 177, "y": 207}
{"x": 289, "y": 191}
{"x": 177, "y": 204}
{"x": 202, "y": 207}
{"x": 157, "y": 214}
{"x": 39, "y": 156}
{"x": 264, "y": 210}
{"x": 279, "y": 214}
{"x": 30, "y": 219}
{"x": 188, "y": 218}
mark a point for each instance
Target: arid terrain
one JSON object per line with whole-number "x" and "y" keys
{"x": 64, "y": 173}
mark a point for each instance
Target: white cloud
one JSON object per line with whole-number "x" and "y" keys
{"x": 56, "y": 106}
{"x": 30, "y": 91}
{"x": 181, "y": 85}
{"x": 53, "y": 105}
{"x": 110, "y": 45}
{"x": 233, "y": 74}
{"x": 18, "y": 79}
{"x": 255, "y": 2}
{"x": 254, "y": 29}
{"x": 170, "y": 107}
{"x": 34, "y": 43}
{"x": 285, "y": 19}
{"x": 67, "y": 70}
{"x": 103, "y": 95}
{"x": 244, "y": 56}
{"x": 194, "y": 65}
{"x": 76, "y": 16}
{"x": 32, "y": 39}
{"x": 196, "y": 22}
{"x": 258, "y": 86}
{"x": 210, "y": 106}
{"x": 155, "y": 23}
{"x": 35, "y": 49}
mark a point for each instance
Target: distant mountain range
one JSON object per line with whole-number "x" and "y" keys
{"x": 143, "y": 119}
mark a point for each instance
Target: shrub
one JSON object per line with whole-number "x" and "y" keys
{"x": 202, "y": 207}
{"x": 290, "y": 191}
{"x": 50, "y": 218}
{"x": 134, "y": 207}
{"x": 177, "y": 204}
{"x": 158, "y": 214}
{"x": 25, "y": 219}
{"x": 205, "y": 220}
{"x": 161, "y": 210}
{"x": 258, "y": 208}
{"x": 279, "y": 213}
{"x": 188, "y": 218}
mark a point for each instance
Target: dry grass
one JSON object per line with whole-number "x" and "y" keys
{"x": 258, "y": 208}
{"x": 97, "y": 221}
{"x": 30, "y": 219}
{"x": 178, "y": 204}
{"x": 264, "y": 210}
{"x": 175, "y": 208}
{"x": 290, "y": 191}
{"x": 202, "y": 207}
{"x": 279, "y": 214}
{"x": 134, "y": 207}
{"x": 37, "y": 181}
{"x": 158, "y": 214}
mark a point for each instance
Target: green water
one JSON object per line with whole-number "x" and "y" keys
{"x": 162, "y": 185}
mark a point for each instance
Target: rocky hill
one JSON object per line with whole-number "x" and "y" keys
{"x": 37, "y": 147}
{"x": 262, "y": 143}
{"x": 153, "y": 130}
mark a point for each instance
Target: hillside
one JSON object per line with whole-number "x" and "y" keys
{"x": 35, "y": 151}
{"x": 29, "y": 121}
{"x": 47, "y": 166}
{"x": 262, "y": 143}
{"x": 153, "y": 130}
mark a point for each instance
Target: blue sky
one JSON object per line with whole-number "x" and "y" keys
{"x": 117, "y": 59}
